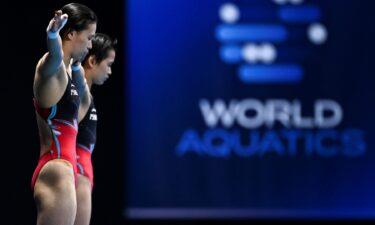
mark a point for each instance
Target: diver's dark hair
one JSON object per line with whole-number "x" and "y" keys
{"x": 79, "y": 18}
{"x": 101, "y": 44}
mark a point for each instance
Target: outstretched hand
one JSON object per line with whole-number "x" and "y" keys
{"x": 58, "y": 22}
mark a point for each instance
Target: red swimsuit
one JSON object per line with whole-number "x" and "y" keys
{"x": 62, "y": 120}
{"x": 86, "y": 142}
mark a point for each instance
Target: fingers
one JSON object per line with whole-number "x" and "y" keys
{"x": 64, "y": 19}
{"x": 64, "y": 16}
{"x": 58, "y": 21}
{"x": 57, "y": 15}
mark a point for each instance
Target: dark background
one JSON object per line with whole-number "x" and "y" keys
{"x": 22, "y": 44}
{"x": 23, "y": 36}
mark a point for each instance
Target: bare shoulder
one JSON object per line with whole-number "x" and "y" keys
{"x": 49, "y": 88}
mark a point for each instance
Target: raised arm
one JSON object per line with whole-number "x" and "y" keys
{"x": 50, "y": 63}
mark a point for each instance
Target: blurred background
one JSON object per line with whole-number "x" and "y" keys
{"x": 216, "y": 112}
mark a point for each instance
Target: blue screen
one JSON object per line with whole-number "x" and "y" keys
{"x": 250, "y": 109}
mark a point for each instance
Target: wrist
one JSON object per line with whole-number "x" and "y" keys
{"x": 76, "y": 67}
{"x": 52, "y": 35}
